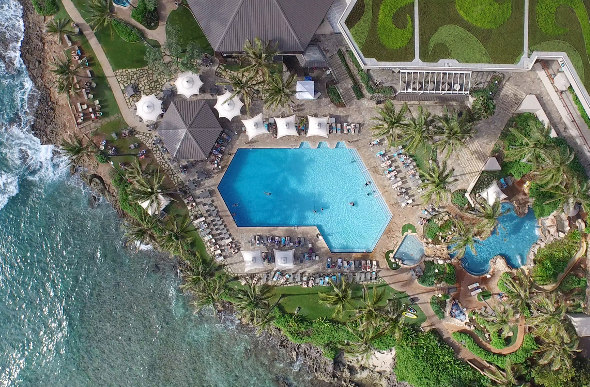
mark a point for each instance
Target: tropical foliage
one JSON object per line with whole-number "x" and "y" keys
{"x": 59, "y": 27}
{"x": 340, "y": 297}
{"x": 552, "y": 259}
{"x": 66, "y": 73}
{"x": 436, "y": 182}
{"x": 390, "y": 123}
{"x": 453, "y": 132}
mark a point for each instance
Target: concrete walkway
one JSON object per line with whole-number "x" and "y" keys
{"x": 159, "y": 34}
{"x": 129, "y": 116}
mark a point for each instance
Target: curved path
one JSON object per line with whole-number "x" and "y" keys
{"x": 503, "y": 351}
{"x": 129, "y": 116}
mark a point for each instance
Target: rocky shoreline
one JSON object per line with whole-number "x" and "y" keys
{"x": 35, "y": 52}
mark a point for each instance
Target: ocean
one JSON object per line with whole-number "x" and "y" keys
{"x": 76, "y": 307}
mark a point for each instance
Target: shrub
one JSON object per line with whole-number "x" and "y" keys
{"x": 552, "y": 259}
{"x": 432, "y": 229}
{"x": 485, "y": 295}
{"x": 408, "y": 227}
{"x": 438, "y": 305}
{"x": 516, "y": 169}
{"x": 146, "y": 14}
{"x": 127, "y": 32}
{"x": 459, "y": 199}
{"x": 45, "y": 7}
{"x": 540, "y": 197}
{"x": 102, "y": 157}
{"x": 423, "y": 359}
{"x": 483, "y": 107}
{"x": 580, "y": 107}
{"x": 450, "y": 276}
{"x": 358, "y": 92}
{"x": 519, "y": 356}
{"x": 435, "y": 273}
{"x": 572, "y": 282}
{"x": 334, "y": 95}
{"x": 355, "y": 86}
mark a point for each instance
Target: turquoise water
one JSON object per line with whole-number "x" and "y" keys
{"x": 308, "y": 187}
{"x": 515, "y": 237}
{"x": 410, "y": 251}
{"x": 77, "y": 308}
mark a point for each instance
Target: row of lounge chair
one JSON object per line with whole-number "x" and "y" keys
{"x": 213, "y": 231}
{"x": 358, "y": 264}
{"x": 305, "y": 279}
{"x": 277, "y": 241}
{"x": 399, "y": 167}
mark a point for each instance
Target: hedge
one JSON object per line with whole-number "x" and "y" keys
{"x": 459, "y": 199}
{"x": 145, "y": 16}
{"x": 438, "y": 305}
{"x": 572, "y": 282}
{"x": 519, "y": 356}
{"x": 488, "y": 14}
{"x": 127, "y": 32}
{"x": 355, "y": 86}
{"x": 367, "y": 81}
{"x": 580, "y": 107}
{"x": 45, "y": 7}
{"x": 334, "y": 95}
{"x": 389, "y": 35}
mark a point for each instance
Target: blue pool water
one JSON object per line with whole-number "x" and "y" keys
{"x": 410, "y": 251}
{"x": 301, "y": 183}
{"x": 122, "y": 3}
{"x": 514, "y": 239}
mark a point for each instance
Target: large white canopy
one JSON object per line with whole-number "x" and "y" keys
{"x": 228, "y": 107}
{"x": 286, "y": 126}
{"x": 152, "y": 208}
{"x": 305, "y": 90}
{"x": 318, "y": 126}
{"x": 493, "y": 193}
{"x": 284, "y": 259}
{"x": 254, "y": 126}
{"x": 188, "y": 84}
{"x": 252, "y": 260}
{"x": 149, "y": 107}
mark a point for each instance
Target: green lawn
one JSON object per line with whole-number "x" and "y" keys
{"x": 384, "y": 29}
{"x": 308, "y": 300}
{"x": 191, "y": 31}
{"x": 472, "y": 31}
{"x": 121, "y": 55}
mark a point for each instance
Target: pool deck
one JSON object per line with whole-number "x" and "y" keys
{"x": 390, "y": 238}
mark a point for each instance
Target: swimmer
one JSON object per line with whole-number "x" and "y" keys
{"x": 322, "y": 208}
{"x": 315, "y": 212}
{"x": 351, "y": 203}
{"x": 268, "y": 193}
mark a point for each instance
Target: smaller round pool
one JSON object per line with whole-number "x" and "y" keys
{"x": 410, "y": 251}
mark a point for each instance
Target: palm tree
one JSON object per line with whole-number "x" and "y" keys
{"x": 59, "y": 27}
{"x": 453, "y": 132}
{"x": 242, "y": 83}
{"x": 389, "y": 122}
{"x": 206, "y": 281}
{"x": 418, "y": 130}
{"x": 142, "y": 230}
{"x": 571, "y": 192}
{"x": 177, "y": 237}
{"x": 519, "y": 288}
{"x": 488, "y": 216}
{"x": 534, "y": 144}
{"x": 259, "y": 55}
{"x": 555, "y": 167}
{"x": 436, "y": 181}
{"x": 502, "y": 320}
{"x": 100, "y": 14}
{"x": 340, "y": 297}
{"x": 74, "y": 149}
{"x": 253, "y": 303}
{"x": 370, "y": 313}
{"x": 278, "y": 91}
{"x": 549, "y": 319}
{"x": 66, "y": 73}
{"x": 462, "y": 239}
{"x": 506, "y": 378}
{"x": 149, "y": 192}
{"x": 557, "y": 354}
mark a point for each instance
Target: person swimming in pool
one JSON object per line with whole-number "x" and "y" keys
{"x": 267, "y": 193}
{"x": 351, "y": 203}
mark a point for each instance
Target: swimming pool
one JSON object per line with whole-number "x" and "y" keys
{"x": 410, "y": 251}
{"x": 307, "y": 187}
{"x": 122, "y": 3}
{"x": 515, "y": 237}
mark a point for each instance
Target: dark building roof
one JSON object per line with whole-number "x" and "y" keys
{"x": 229, "y": 23}
{"x": 189, "y": 129}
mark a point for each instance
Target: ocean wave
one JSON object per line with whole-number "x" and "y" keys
{"x": 11, "y": 35}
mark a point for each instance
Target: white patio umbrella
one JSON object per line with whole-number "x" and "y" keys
{"x": 284, "y": 259}
{"x": 254, "y": 126}
{"x": 318, "y": 126}
{"x": 149, "y": 107}
{"x": 305, "y": 90}
{"x": 252, "y": 260}
{"x": 286, "y": 126}
{"x": 188, "y": 84}
{"x": 228, "y": 108}
{"x": 152, "y": 207}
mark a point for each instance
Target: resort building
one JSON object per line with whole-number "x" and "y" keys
{"x": 227, "y": 24}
